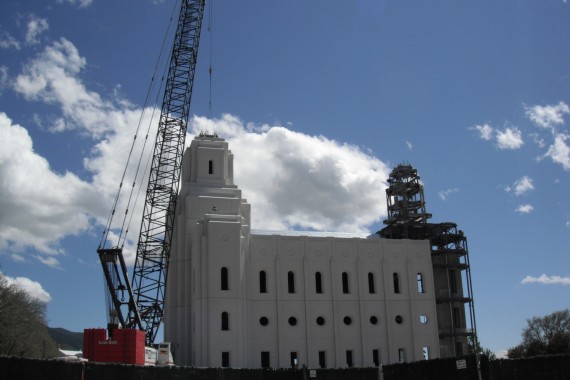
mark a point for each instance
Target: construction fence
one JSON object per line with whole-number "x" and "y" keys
{"x": 472, "y": 367}
{"x": 36, "y": 369}
{"x": 555, "y": 367}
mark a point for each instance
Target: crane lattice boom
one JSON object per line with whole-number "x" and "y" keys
{"x": 146, "y": 300}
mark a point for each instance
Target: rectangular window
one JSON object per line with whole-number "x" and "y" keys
{"x": 210, "y": 167}
{"x": 345, "y": 289}
{"x": 457, "y": 318}
{"x": 458, "y": 349}
{"x": 425, "y": 352}
{"x": 224, "y": 279}
{"x": 322, "y": 359}
{"x": 291, "y": 282}
{"x": 293, "y": 359}
{"x": 319, "y": 282}
{"x": 349, "y": 362}
{"x": 396, "y": 280}
{"x": 225, "y": 359}
{"x": 376, "y": 357}
{"x": 401, "y": 355}
{"x": 265, "y": 359}
{"x": 452, "y": 282}
{"x": 371, "y": 287}
{"x": 262, "y": 282}
{"x": 420, "y": 278}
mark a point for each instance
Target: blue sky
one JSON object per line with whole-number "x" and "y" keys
{"x": 327, "y": 95}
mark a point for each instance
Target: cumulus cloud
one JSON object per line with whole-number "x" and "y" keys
{"x": 33, "y": 288}
{"x": 36, "y": 26}
{"x": 296, "y": 181}
{"x": 547, "y": 116}
{"x": 445, "y": 193}
{"x": 521, "y": 186}
{"x": 7, "y": 41}
{"x": 79, "y": 3}
{"x": 52, "y": 78}
{"x": 551, "y": 118}
{"x": 559, "y": 151}
{"x": 38, "y": 205}
{"x": 510, "y": 138}
{"x": 485, "y": 131}
{"x": 3, "y": 78}
{"x": 291, "y": 179}
{"x": 546, "y": 280}
{"x": 524, "y": 209}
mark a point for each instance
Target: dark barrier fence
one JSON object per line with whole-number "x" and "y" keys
{"x": 555, "y": 367}
{"x": 36, "y": 369}
{"x": 462, "y": 368}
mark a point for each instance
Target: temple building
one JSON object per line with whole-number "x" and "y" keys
{"x": 237, "y": 297}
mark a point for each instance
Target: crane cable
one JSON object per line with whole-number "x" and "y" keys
{"x": 210, "y": 70}
{"x": 123, "y": 231}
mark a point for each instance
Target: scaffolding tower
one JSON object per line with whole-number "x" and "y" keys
{"x": 408, "y": 219}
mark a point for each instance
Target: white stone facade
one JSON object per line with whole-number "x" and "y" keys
{"x": 262, "y": 299}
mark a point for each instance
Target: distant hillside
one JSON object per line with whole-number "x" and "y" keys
{"x": 65, "y": 339}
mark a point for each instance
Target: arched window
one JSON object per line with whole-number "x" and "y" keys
{"x": 345, "y": 288}
{"x": 319, "y": 282}
{"x": 371, "y": 287}
{"x": 225, "y": 321}
{"x": 396, "y": 283}
{"x": 210, "y": 167}
{"x": 262, "y": 282}
{"x": 224, "y": 278}
{"x": 291, "y": 282}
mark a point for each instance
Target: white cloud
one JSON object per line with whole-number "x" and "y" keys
{"x": 546, "y": 280}
{"x": 485, "y": 131}
{"x": 79, "y": 3}
{"x": 445, "y": 193}
{"x": 409, "y": 145}
{"x": 502, "y": 354}
{"x": 294, "y": 180}
{"x": 3, "y": 78}
{"x": 559, "y": 151}
{"x": 7, "y": 41}
{"x": 510, "y": 138}
{"x": 547, "y": 116}
{"x": 33, "y": 288}
{"x": 36, "y": 26}
{"x": 52, "y": 77}
{"x": 38, "y": 206}
{"x": 524, "y": 209}
{"x": 521, "y": 186}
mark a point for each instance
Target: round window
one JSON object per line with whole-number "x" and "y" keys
{"x": 399, "y": 319}
{"x": 320, "y": 321}
{"x": 373, "y": 320}
{"x": 347, "y": 320}
{"x": 292, "y": 321}
{"x": 423, "y": 319}
{"x": 263, "y": 321}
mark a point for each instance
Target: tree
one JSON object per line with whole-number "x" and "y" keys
{"x": 544, "y": 336}
{"x": 23, "y": 330}
{"x": 476, "y": 348}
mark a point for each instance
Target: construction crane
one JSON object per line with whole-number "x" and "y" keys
{"x": 140, "y": 304}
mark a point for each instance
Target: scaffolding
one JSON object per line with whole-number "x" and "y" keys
{"x": 408, "y": 219}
